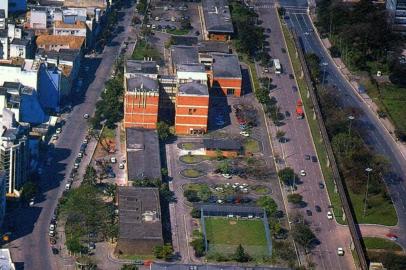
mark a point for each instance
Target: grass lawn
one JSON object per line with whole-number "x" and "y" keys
{"x": 230, "y": 231}
{"x": 192, "y": 173}
{"x": 381, "y": 243}
{"x": 143, "y": 49}
{"x": 261, "y": 190}
{"x": 251, "y": 145}
{"x": 178, "y": 32}
{"x": 188, "y": 146}
{"x": 314, "y": 128}
{"x": 193, "y": 159}
{"x": 108, "y": 133}
{"x": 381, "y": 211}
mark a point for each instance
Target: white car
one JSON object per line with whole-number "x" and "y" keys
{"x": 32, "y": 202}
{"x": 80, "y": 155}
{"x": 86, "y": 116}
{"x": 121, "y": 166}
{"x": 67, "y": 186}
{"x": 52, "y": 233}
{"x": 302, "y": 173}
{"x": 244, "y": 133}
{"x": 54, "y": 137}
{"x": 85, "y": 141}
{"x": 76, "y": 166}
{"x": 52, "y": 227}
{"x": 340, "y": 251}
{"x": 226, "y": 175}
{"x": 113, "y": 160}
{"x": 329, "y": 215}
{"x": 58, "y": 130}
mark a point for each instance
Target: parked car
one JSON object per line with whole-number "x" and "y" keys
{"x": 58, "y": 130}
{"x": 113, "y": 160}
{"x": 318, "y": 208}
{"x": 244, "y": 133}
{"x": 302, "y": 173}
{"x": 321, "y": 185}
{"x": 121, "y": 166}
{"x": 32, "y": 202}
{"x": 86, "y": 116}
{"x": 309, "y": 212}
{"x": 314, "y": 158}
{"x": 307, "y": 157}
{"x": 51, "y": 233}
{"x": 68, "y": 186}
{"x": 340, "y": 251}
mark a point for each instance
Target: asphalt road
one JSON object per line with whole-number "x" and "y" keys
{"x": 330, "y": 235}
{"x": 373, "y": 133}
{"x": 30, "y": 247}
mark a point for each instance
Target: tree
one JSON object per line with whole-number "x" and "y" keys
{"x": 295, "y": 198}
{"x": 29, "y": 190}
{"x": 163, "y": 130}
{"x": 280, "y": 134}
{"x": 287, "y": 176}
{"x": 204, "y": 193}
{"x": 303, "y": 235}
{"x": 73, "y": 245}
{"x": 195, "y": 213}
{"x": 240, "y": 255}
{"x": 90, "y": 176}
{"x": 129, "y": 267}
{"x": 163, "y": 252}
{"x": 191, "y": 195}
{"x": 268, "y": 204}
{"x": 198, "y": 244}
{"x": 224, "y": 166}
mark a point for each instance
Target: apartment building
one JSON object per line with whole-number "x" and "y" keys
{"x": 141, "y": 102}
{"x": 56, "y": 43}
{"x": 226, "y": 76}
{"x": 192, "y": 108}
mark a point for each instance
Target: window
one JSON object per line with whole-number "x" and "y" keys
{"x": 190, "y": 111}
{"x": 230, "y": 91}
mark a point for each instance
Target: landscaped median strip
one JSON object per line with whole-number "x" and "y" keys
{"x": 314, "y": 128}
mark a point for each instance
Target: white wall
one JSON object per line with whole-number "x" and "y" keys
{"x": 15, "y": 74}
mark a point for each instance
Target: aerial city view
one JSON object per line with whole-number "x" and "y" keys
{"x": 203, "y": 134}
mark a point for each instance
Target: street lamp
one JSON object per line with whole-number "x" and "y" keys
{"x": 350, "y": 119}
{"x": 368, "y": 170}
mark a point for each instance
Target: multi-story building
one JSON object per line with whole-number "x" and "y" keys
{"x": 22, "y": 71}
{"x": 12, "y": 6}
{"x": 134, "y": 68}
{"x": 141, "y": 102}
{"x": 55, "y": 43}
{"x": 226, "y": 77}
{"x": 397, "y": 14}
{"x": 77, "y": 28}
{"x": 14, "y": 154}
{"x": 2, "y": 196}
{"x": 192, "y": 108}
{"x": 217, "y": 24}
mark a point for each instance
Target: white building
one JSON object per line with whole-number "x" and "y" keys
{"x": 6, "y": 262}
{"x": 38, "y": 19}
{"x": 24, "y": 72}
{"x": 191, "y": 72}
{"x": 3, "y": 44}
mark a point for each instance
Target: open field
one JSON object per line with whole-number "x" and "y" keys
{"x": 381, "y": 243}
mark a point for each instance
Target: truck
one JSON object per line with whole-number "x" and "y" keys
{"x": 277, "y": 65}
{"x": 299, "y": 109}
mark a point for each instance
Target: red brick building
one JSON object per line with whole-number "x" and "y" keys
{"x": 226, "y": 77}
{"x": 192, "y": 108}
{"x": 217, "y": 24}
{"x": 141, "y": 102}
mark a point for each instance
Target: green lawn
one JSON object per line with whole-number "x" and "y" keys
{"x": 192, "y": 173}
{"x": 381, "y": 211}
{"x": 108, "y": 133}
{"x": 188, "y": 146}
{"x": 230, "y": 231}
{"x": 314, "y": 128}
{"x": 144, "y": 49}
{"x": 260, "y": 189}
{"x": 178, "y": 32}
{"x": 193, "y": 159}
{"x": 381, "y": 243}
{"x": 251, "y": 145}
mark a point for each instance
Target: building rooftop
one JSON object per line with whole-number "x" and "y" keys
{"x": 222, "y": 144}
{"x": 139, "y": 213}
{"x": 209, "y": 46}
{"x": 63, "y": 54}
{"x": 226, "y": 66}
{"x": 217, "y": 16}
{"x": 76, "y": 25}
{"x": 184, "y": 40}
{"x": 142, "y": 83}
{"x": 20, "y": 41}
{"x": 182, "y": 54}
{"x": 190, "y": 68}
{"x": 74, "y": 42}
{"x": 143, "y": 160}
{"x": 194, "y": 88}
{"x": 141, "y": 67}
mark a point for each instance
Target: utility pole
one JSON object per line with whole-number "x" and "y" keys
{"x": 368, "y": 170}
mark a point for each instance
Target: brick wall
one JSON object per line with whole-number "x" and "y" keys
{"x": 223, "y": 84}
{"x": 141, "y": 110}
{"x": 191, "y": 114}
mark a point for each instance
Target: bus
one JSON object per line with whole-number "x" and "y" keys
{"x": 277, "y": 65}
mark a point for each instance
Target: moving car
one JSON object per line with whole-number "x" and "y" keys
{"x": 86, "y": 116}
{"x": 329, "y": 215}
{"x": 321, "y": 185}
{"x": 244, "y": 133}
{"x": 226, "y": 175}
{"x": 340, "y": 251}
{"x": 302, "y": 173}
{"x": 318, "y": 208}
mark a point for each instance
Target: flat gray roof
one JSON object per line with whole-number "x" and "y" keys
{"x": 184, "y": 40}
{"x": 141, "y": 67}
{"x": 226, "y": 66}
{"x": 139, "y": 213}
{"x": 208, "y": 46}
{"x": 143, "y": 160}
{"x": 191, "y": 67}
{"x": 217, "y": 16}
{"x": 182, "y": 54}
{"x": 194, "y": 88}
{"x": 143, "y": 83}
{"x": 222, "y": 144}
